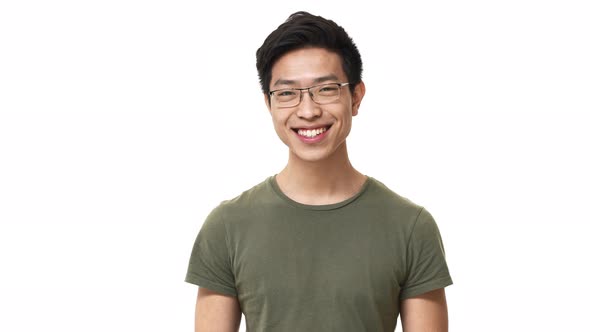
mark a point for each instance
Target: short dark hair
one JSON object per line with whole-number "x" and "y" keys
{"x": 302, "y": 30}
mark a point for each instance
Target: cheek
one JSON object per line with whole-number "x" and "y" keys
{"x": 347, "y": 127}
{"x": 278, "y": 118}
{"x": 280, "y": 123}
{"x": 347, "y": 123}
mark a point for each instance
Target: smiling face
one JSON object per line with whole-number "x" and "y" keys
{"x": 313, "y": 132}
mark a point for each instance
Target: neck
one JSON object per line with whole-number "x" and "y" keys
{"x": 327, "y": 181}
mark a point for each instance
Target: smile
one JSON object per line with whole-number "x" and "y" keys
{"x": 311, "y": 133}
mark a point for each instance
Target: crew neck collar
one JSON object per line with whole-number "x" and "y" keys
{"x": 273, "y": 183}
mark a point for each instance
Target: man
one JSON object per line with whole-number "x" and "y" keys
{"x": 318, "y": 246}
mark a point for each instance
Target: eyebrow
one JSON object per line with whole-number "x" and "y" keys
{"x": 318, "y": 80}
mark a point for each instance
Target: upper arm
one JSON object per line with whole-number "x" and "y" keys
{"x": 217, "y": 312}
{"x": 425, "y": 312}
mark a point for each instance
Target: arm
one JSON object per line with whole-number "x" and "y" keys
{"x": 425, "y": 313}
{"x": 216, "y": 312}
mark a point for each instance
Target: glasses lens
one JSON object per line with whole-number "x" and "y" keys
{"x": 286, "y": 97}
{"x": 326, "y": 93}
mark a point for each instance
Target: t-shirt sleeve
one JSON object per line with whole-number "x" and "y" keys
{"x": 210, "y": 263}
{"x": 426, "y": 264}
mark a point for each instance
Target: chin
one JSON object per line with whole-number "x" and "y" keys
{"x": 311, "y": 156}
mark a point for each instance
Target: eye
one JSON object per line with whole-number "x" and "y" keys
{"x": 330, "y": 88}
{"x": 285, "y": 93}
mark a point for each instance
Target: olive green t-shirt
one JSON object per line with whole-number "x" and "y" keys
{"x": 338, "y": 267}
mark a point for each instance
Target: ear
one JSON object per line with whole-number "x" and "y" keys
{"x": 267, "y": 100}
{"x": 357, "y": 97}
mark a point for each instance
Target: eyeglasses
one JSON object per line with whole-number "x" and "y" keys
{"x": 320, "y": 94}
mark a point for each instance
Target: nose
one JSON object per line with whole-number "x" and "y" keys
{"x": 307, "y": 108}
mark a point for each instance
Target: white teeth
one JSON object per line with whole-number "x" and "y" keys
{"x": 311, "y": 133}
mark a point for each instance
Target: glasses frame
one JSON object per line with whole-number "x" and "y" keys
{"x": 301, "y": 90}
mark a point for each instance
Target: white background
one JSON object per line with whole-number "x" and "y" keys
{"x": 118, "y": 136}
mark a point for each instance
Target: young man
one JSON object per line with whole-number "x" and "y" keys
{"x": 318, "y": 246}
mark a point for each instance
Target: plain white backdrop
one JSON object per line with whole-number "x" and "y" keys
{"x": 118, "y": 135}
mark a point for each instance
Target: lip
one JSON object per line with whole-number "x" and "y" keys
{"x": 312, "y": 127}
{"x": 311, "y": 140}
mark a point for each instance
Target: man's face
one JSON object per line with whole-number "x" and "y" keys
{"x": 313, "y": 132}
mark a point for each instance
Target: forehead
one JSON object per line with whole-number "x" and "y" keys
{"x": 303, "y": 66}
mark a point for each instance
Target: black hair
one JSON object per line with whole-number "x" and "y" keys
{"x": 302, "y": 30}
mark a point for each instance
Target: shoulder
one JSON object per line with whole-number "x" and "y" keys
{"x": 415, "y": 220}
{"x": 385, "y": 198}
{"x": 230, "y": 211}
{"x": 256, "y": 196}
